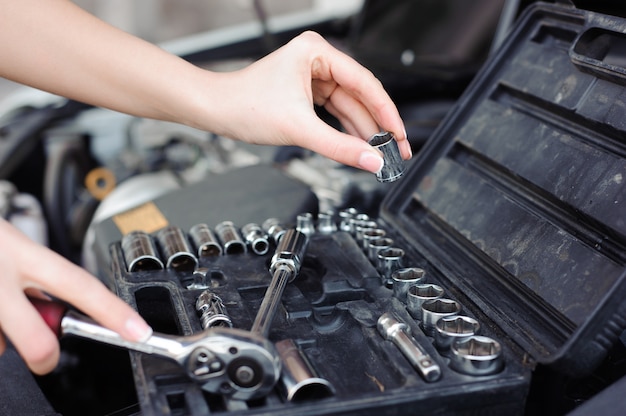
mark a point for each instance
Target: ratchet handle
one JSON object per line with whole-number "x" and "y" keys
{"x": 51, "y": 312}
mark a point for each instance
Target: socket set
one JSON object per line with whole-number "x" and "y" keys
{"x": 345, "y": 329}
{"x": 499, "y": 252}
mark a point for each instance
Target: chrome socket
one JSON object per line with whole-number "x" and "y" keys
{"x": 393, "y": 167}
{"x": 176, "y": 249}
{"x": 451, "y": 328}
{"x": 212, "y": 311}
{"x": 326, "y": 223}
{"x": 476, "y": 356}
{"x": 230, "y": 238}
{"x": 371, "y": 235}
{"x": 345, "y": 216}
{"x": 256, "y": 238}
{"x": 140, "y": 252}
{"x": 356, "y": 221}
{"x": 305, "y": 224}
{"x": 298, "y": 380}
{"x": 377, "y": 245}
{"x": 205, "y": 241}
{"x": 418, "y": 294}
{"x": 274, "y": 228}
{"x": 362, "y": 227}
{"x": 435, "y": 309}
{"x": 389, "y": 260}
{"x": 403, "y": 279}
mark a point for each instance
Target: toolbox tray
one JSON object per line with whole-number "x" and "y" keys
{"x": 515, "y": 207}
{"x": 519, "y": 198}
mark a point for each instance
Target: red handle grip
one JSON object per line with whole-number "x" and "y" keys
{"x": 51, "y": 312}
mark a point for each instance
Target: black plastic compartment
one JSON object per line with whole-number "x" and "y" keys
{"x": 519, "y": 198}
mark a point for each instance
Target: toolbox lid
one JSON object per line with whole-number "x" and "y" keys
{"x": 519, "y": 197}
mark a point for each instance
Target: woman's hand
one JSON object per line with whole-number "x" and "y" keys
{"x": 271, "y": 102}
{"x": 29, "y": 269}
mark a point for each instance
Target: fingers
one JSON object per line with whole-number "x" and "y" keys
{"x": 23, "y": 325}
{"x": 31, "y": 337}
{"x": 353, "y": 94}
{"x": 74, "y": 285}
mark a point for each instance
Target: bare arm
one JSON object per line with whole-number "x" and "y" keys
{"x": 56, "y": 46}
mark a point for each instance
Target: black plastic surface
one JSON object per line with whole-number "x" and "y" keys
{"x": 519, "y": 197}
{"x": 330, "y": 311}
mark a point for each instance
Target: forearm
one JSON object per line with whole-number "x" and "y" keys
{"x": 55, "y": 46}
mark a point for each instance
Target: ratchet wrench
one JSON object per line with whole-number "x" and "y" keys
{"x": 226, "y": 361}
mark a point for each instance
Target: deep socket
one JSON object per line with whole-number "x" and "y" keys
{"x": 176, "y": 249}
{"x": 230, "y": 238}
{"x": 205, "y": 241}
{"x": 140, "y": 252}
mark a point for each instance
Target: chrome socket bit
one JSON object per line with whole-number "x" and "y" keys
{"x": 326, "y": 223}
{"x": 212, "y": 311}
{"x": 140, "y": 252}
{"x": 433, "y": 310}
{"x": 298, "y": 380}
{"x": 356, "y": 221}
{"x": 362, "y": 227}
{"x": 345, "y": 215}
{"x": 230, "y": 238}
{"x": 256, "y": 238}
{"x": 274, "y": 228}
{"x": 418, "y": 294}
{"x": 393, "y": 167}
{"x": 476, "y": 356}
{"x": 405, "y": 278}
{"x": 371, "y": 235}
{"x": 377, "y": 245}
{"x": 389, "y": 260}
{"x": 175, "y": 248}
{"x": 451, "y": 328}
{"x": 392, "y": 329}
{"x": 305, "y": 224}
{"x": 205, "y": 241}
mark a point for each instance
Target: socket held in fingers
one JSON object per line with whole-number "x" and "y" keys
{"x": 393, "y": 167}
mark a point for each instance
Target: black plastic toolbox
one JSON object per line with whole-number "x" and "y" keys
{"x": 515, "y": 207}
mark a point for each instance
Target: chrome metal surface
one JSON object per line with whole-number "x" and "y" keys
{"x": 140, "y": 252}
{"x": 205, "y": 241}
{"x": 393, "y": 167}
{"x": 230, "y": 238}
{"x": 476, "y": 356}
{"x": 450, "y": 328}
{"x": 256, "y": 238}
{"x": 176, "y": 249}
{"x": 433, "y": 310}
{"x": 391, "y": 328}
{"x": 403, "y": 279}
{"x": 418, "y": 294}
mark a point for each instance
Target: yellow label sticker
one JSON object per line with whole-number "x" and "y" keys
{"x": 146, "y": 217}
